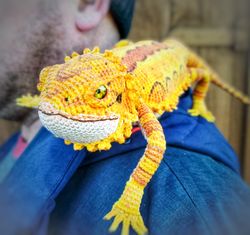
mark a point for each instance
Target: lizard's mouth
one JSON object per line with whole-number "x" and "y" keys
{"x": 80, "y": 128}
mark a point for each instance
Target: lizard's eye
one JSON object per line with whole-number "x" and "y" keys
{"x": 66, "y": 99}
{"x": 101, "y": 92}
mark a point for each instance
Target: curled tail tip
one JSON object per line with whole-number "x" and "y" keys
{"x": 246, "y": 101}
{"x": 243, "y": 99}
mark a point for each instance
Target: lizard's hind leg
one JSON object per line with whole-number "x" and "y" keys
{"x": 203, "y": 78}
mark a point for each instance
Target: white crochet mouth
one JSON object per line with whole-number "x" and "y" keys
{"x": 80, "y": 128}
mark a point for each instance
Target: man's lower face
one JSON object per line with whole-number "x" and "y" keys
{"x": 32, "y": 36}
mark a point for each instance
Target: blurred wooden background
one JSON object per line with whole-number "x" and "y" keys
{"x": 218, "y": 30}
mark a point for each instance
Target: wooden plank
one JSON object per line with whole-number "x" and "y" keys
{"x": 151, "y": 20}
{"x": 185, "y": 13}
{"x": 212, "y": 37}
{"x": 219, "y": 102}
{"x": 246, "y": 163}
{"x": 242, "y": 23}
{"x": 242, "y": 11}
{"x": 237, "y": 123}
{"x": 218, "y": 13}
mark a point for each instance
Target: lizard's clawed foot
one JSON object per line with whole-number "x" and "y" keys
{"x": 201, "y": 110}
{"x": 127, "y": 219}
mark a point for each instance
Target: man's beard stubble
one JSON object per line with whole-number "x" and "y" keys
{"x": 20, "y": 77}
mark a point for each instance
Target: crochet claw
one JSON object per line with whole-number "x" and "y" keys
{"x": 127, "y": 220}
{"x": 67, "y": 142}
{"x": 201, "y": 110}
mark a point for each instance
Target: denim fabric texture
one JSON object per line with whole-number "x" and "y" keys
{"x": 54, "y": 190}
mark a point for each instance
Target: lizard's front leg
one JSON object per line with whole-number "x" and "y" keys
{"x": 127, "y": 209}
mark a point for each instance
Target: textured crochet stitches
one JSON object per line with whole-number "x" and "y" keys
{"x": 92, "y": 100}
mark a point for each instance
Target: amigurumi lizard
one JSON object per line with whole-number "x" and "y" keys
{"x": 93, "y": 99}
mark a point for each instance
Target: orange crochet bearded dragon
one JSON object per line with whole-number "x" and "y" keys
{"x": 93, "y": 99}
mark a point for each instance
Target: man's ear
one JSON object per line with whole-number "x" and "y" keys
{"x": 90, "y": 13}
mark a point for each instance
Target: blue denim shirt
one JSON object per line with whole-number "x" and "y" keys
{"x": 197, "y": 189}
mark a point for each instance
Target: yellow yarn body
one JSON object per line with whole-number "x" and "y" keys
{"x": 159, "y": 71}
{"x": 92, "y": 100}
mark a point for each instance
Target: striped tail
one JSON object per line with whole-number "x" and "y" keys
{"x": 231, "y": 90}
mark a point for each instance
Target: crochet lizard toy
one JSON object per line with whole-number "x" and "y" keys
{"x": 92, "y": 100}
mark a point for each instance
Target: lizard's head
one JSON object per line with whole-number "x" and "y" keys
{"x": 85, "y": 100}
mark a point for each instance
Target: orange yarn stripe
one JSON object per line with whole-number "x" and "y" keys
{"x": 140, "y": 54}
